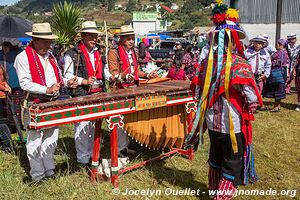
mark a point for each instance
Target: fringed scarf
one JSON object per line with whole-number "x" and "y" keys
{"x": 37, "y": 70}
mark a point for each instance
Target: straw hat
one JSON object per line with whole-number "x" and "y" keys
{"x": 126, "y": 30}
{"x": 42, "y": 30}
{"x": 89, "y": 27}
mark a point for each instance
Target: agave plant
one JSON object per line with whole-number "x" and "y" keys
{"x": 66, "y": 21}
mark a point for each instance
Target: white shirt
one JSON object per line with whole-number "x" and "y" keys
{"x": 69, "y": 66}
{"x": 24, "y": 75}
{"x": 270, "y": 48}
{"x": 130, "y": 58}
{"x": 264, "y": 61}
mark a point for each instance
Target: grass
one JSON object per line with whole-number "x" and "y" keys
{"x": 276, "y": 140}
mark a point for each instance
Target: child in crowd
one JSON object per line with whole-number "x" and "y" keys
{"x": 280, "y": 62}
{"x": 177, "y": 71}
{"x": 260, "y": 61}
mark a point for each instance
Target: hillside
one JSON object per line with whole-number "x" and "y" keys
{"x": 189, "y": 13}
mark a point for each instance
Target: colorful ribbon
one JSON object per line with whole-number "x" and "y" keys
{"x": 227, "y": 80}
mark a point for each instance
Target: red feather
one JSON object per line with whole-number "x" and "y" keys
{"x": 218, "y": 18}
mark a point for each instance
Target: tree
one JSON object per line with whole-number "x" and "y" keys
{"x": 66, "y": 22}
{"x": 190, "y": 6}
{"x": 130, "y": 5}
{"x": 206, "y": 2}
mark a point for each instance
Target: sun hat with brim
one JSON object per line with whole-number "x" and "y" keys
{"x": 266, "y": 36}
{"x": 43, "y": 31}
{"x": 232, "y": 26}
{"x": 126, "y": 30}
{"x": 89, "y": 27}
{"x": 259, "y": 39}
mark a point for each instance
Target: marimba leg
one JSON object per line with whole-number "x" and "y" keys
{"x": 96, "y": 151}
{"x": 114, "y": 157}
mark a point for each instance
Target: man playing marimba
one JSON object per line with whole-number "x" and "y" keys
{"x": 40, "y": 76}
{"x": 123, "y": 65}
{"x": 84, "y": 63}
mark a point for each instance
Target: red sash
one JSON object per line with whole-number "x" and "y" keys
{"x": 36, "y": 68}
{"x": 126, "y": 68}
{"x": 89, "y": 66}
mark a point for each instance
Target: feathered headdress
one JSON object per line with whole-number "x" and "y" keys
{"x": 221, "y": 13}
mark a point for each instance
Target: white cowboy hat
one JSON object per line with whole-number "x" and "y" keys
{"x": 291, "y": 36}
{"x": 42, "y": 30}
{"x": 126, "y": 30}
{"x": 259, "y": 38}
{"x": 266, "y": 37}
{"x": 89, "y": 27}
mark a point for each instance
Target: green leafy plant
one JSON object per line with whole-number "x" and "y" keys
{"x": 66, "y": 22}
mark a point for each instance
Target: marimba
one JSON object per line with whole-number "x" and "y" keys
{"x": 156, "y": 115}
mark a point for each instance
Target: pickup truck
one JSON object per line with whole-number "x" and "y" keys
{"x": 164, "y": 50}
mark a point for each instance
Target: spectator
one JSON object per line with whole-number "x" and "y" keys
{"x": 179, "y": 52}
{"x": 280, "y": 61}
{"x": 7, "y": 58}
{"x": 269, "y": 47}
{"x": 188, "y": 62}
{"x": 292, "y": 39}
{"x": 296, "y": 74}
{"x": 291, "y": 49}
{"x": 177, "y": 71}
{"x": 260, "y": 61}
{"x": 4, "y": 88}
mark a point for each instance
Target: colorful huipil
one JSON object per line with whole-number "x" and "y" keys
{"x": 280, "y": 60}
{"x": 228, "y": 78}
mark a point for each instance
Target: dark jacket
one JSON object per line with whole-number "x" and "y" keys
{"x": 82, "y": 90}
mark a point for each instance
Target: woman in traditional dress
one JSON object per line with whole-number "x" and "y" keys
{"x": 280, "y": 60}
{"x": 188, "y": 62}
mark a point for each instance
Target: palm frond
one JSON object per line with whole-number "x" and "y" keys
{"x": 66, "y": 22}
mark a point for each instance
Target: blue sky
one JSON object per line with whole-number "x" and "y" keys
{"x": 7, "y": 2}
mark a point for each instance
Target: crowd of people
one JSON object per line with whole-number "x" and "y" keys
{"x": 84, "y": 69}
